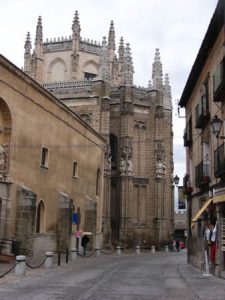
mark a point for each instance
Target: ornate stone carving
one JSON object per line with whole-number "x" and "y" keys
{"x": 108, "y": 163}
{"x": 159, "y": 112}
{"x": 129, "y": 167}
{"x": 122, "y": 167}
{"x": 160, "y": 169}
{"x": 3, "y": 157}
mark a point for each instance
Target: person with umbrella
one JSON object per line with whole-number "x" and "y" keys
{"x": 84, "y": 242}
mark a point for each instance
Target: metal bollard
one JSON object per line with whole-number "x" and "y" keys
{"x": 138, "y": 250}
{"x": 166, "y": 249}
{"x": 74, "y": 254}
{"x": 153, "y": 249}
{"x": 21, "y": 265}
{"x": 49, "y": 260}
{"x": 59, "y": 258}
{"x": 67, "y": 255}
{"x": 97, "y": 252}
{"x": 118, "y": 250}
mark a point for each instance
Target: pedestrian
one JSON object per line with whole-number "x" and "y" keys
{"x": 84, "y": 242}
{"x": 177, "y": 245}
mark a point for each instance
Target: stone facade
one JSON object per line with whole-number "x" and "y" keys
{"x": 97, "y": 83}
{"x": 204, "y": 184}
{"x": 50, "y": 162}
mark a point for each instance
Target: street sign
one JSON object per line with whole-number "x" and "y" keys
{"x": 75, "y": 218}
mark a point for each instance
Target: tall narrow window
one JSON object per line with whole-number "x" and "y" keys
{"x": 97, "y": 182}
{"x": 75, "y": 169}
{"x": 40, "y": 217}
{"x": 44, "y": 157}
{"x": 113, "y": 149}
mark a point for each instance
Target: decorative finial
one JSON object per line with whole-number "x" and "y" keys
{"x": 111, "y": 38}
{"x": 27, "y": 45}
{"x": 167, "y": 103}
{"x": 39, "y": 35}
{"x": 104, "y": 64}
{"x": 157, "y": 72}
{"x": 76, "y": 25}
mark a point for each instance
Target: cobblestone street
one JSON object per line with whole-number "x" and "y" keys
{"x": 147, "y": 276}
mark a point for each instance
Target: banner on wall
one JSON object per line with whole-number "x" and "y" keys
{"x": 181, "y": 198}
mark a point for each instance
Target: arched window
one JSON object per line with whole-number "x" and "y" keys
{"x": 40, "y": 217}
{"x": 97, "y": 182}
{"x": 57, "y": 70}
{"x": 113, "y": 149}
{"x": 86, "y": 118}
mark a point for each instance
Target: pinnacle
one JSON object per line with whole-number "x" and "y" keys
{"x": 157, "y": 55}
{"x": 39, "y": 21}
{"x": 28, "y": 37}
{"x": 111, "y": 37}
{"x": 76, "y": 22}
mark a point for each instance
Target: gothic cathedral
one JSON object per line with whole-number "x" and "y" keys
{"x": 96, "y": 82}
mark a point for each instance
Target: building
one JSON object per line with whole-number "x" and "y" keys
{"x": 51, "y": 166}
{"x": 97, "y": 83}
{"x": 204, "y": 184}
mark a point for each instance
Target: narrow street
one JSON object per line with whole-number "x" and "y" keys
{"x": 129, "y": 276}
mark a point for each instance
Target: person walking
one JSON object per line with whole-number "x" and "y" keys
{"x": 84, "y": 242}
{"x": 177, "y": 245}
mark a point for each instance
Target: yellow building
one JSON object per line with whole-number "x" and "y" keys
{"x": 51, "y": 165}
{"x": 204, "y": 101}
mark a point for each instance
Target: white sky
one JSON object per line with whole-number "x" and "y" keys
{"x": 176, "y": 27}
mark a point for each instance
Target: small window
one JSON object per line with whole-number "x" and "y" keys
{"x": 44, "y": 157}
{"x": 89, "y": 76}
{"x": 75, "y": 169}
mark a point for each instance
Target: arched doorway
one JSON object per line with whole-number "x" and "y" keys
{"x": 40, "y": 228}
{"x": 5, "y": 136}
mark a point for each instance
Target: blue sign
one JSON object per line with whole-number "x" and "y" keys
{"x": 75, "y": 218}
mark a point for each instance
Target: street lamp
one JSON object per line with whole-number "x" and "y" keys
{"x": 176, "y": 180}
{"x": 216, "y": 124}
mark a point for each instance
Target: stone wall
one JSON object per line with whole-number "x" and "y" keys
{"x": 64, "y": 222}
{"x": 25, "y": 218}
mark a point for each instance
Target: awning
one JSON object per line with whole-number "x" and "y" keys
{"x": 219, "y": 198}
{"x": 201, "y": 210}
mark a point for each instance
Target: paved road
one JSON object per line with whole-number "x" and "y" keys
{"x": 127, "y": 277}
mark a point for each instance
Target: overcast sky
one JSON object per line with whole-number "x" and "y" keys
{"x": 176, "y": 27}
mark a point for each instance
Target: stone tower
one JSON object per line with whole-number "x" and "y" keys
{"x": 96, "y": 82}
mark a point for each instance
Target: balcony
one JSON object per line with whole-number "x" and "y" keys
{"x": 202, "y": 115}
{"x": 188, "y": 134}
{"x": 202, "y": 178}
{"x": 187, "y": 188}
{"x": 187, "y": 140}
{"x": 219, "y": 162}
{"x": 219, "y": 83}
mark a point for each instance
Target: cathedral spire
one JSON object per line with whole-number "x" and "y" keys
{"x": 104, "y": 64}
{"x": 121, "y": 50}
{"x": 27, "y": 54}
{"x": 157, "y": 72}
{"x": 39, "y": 34}
{"x": 111, "y": 37}
{"x": 167, "y": 104}
{"x": 76, "y": 26}
{"x": 128, "y": 66}
{"x": 27, "y": 45}
{"x": 121, "y": 62}
{"x": 37, "y": 57}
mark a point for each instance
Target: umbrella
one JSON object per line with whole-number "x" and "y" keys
{"x": 86, "y": 233}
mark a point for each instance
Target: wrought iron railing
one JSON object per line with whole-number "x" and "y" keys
{"x": 202, "y": 178}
